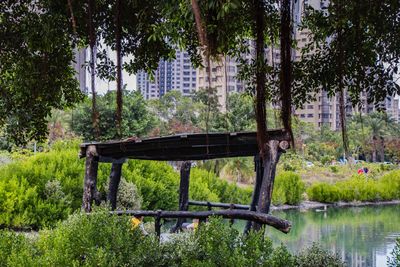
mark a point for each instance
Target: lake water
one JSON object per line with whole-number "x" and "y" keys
{"x": 362, "y": 236}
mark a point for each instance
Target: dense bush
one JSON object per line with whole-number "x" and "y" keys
{"x": 288, "y": 188}
{"x": 38, "y": 190}
{"x": 103, "y": 240}
{"x": 358, "y": 188}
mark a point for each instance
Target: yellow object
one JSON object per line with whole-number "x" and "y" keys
{"x": 135, "y": 222}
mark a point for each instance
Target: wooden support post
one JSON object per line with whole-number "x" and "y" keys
{"x": 270, "y": 160}
{"x": 256, "y": 192}
{"x": 89, "y": 185}
{"x": 115, "y": 178}
{"x": 183, "y": 193}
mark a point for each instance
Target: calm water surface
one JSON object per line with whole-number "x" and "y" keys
{"x": 362, "y": 236}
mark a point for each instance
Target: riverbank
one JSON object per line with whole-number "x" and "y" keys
{"x": 307, "y": 205}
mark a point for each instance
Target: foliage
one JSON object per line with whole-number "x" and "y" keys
{"x": 358, "y": 188}
{"x": 128, "y": 197}
{"x": 35, "y": 69}
{"x": 40, "y": 189}
{"x": 136, "y": 119}
{"x": 99, "y": 239}
{"x": 315, "y": 256}
{"x": 395, "y": 260}
{"x": 289, "y": 187}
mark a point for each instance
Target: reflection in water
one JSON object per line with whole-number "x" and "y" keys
{"x": 362, "y": 236}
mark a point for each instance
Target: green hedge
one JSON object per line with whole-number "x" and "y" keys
{"x": 288, "y": 188}
{"x": 104, "y": 240}
{"x": 358, "y": 188}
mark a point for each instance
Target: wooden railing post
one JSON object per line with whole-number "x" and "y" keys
{"x": 115, "y": 178}
{"x": 89, "y": 185}
{"x": 183, "y": 193}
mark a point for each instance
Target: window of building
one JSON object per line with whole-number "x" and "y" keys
{"x": 310, "y": 106}
{"x": 231, "y": 88}
{"x": 302, "y": 115}
{"x": 310, "y": 115}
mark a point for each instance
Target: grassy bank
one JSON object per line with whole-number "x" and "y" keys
{"x": 358, "y": 188}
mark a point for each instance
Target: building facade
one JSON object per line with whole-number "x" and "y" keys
{"x": 80, "y": 71}
{"x": 177, "y": 74}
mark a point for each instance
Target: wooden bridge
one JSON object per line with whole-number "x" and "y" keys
{"x": 188, "y": 147}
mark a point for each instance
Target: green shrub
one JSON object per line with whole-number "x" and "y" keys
{"x": 99, "y": 239}
{"x": 39, "y": 190}
{"x": 291, "y": 186}
{"x": 315, "y": 256}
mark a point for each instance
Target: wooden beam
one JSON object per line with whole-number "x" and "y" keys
{"x": 185, "y": 147}
{"x": 219, "y": 205}
{"x": 89, "y": 185}
{"x": 115, "y": 178}
{"x": 183, "y": 192}
{"x": 261, "y": 218}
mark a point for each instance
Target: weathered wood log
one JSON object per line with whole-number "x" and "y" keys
{"x": 270, "y": 160}
{"x": 261, "y": 218}
{"x": 185, "y": 147}
{"x": 115, "y": 178}
{"x": 89, "y": 185}
{"x": 218, "y": 205}
{"x": 256, "y": 192}
{"x": 183, "y": 193}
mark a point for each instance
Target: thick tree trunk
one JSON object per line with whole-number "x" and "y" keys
{"x": 183, "y": 192}
{"x": 90, "y": 182}
{"x": 118, "y": 32}
{"x": 256, "y": 192}
{"x": 270, "y": 161}
{"x": 115, "y": 178}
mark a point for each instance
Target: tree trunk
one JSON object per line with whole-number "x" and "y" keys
{"x": 118, "y": 31}
{"x": 286, "y": 67}
{"x": 374, "y": 151}
{"x": 256, "y": 192}
{"x": 92, "y": 44}
{"x": 340, "y": 61}
{"x": 382, "y": 149}
{"x": 270, "y": 161}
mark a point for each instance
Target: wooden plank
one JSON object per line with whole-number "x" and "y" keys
{"x": 260, "y": 218}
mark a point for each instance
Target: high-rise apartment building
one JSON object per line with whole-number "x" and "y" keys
{"x": 80, "y": 70}
{"x": 177, "y": 74}
{"x": 325, "y": 109}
